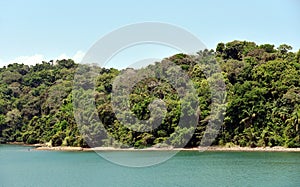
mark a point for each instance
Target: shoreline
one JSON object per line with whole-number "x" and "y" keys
{"x": 43, "y": 147}
{"x": 201, "y": 149}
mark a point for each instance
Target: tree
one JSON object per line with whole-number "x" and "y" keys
{"x": 268, "y": 48}
{"x": 220, "y": 48}
{"x": 283, "y": 49}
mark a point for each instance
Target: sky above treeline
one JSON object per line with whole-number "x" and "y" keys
{"x": 32, "y": 31}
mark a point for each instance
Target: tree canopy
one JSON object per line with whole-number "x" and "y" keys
{"x": 262, "y": 106}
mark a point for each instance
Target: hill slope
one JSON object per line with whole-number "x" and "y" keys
{"x": 263, "y": 100}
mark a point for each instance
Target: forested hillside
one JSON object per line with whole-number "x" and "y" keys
{"x": 263, "y": 100}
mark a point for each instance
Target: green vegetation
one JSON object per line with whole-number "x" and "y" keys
{"x": 263, "y": 100}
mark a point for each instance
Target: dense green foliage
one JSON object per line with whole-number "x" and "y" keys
{"x": 263, "y": 100}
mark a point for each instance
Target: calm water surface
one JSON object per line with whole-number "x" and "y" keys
{"x": 21, "y": 167}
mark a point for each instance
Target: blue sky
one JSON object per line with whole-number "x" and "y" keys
{"x": 33, "y": 30}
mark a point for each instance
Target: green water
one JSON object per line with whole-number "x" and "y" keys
{"x": 21, "y": 167}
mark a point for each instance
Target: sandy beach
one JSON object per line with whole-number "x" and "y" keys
{"x": 212, "y": 148}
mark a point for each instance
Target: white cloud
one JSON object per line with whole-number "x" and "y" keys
{"x": 29, "y": 60}
{"x": 77, "y": 57}
{"x": 2, "y": 63}
{"x": 38, "y": 58}
{"x": 62, "y": 56}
